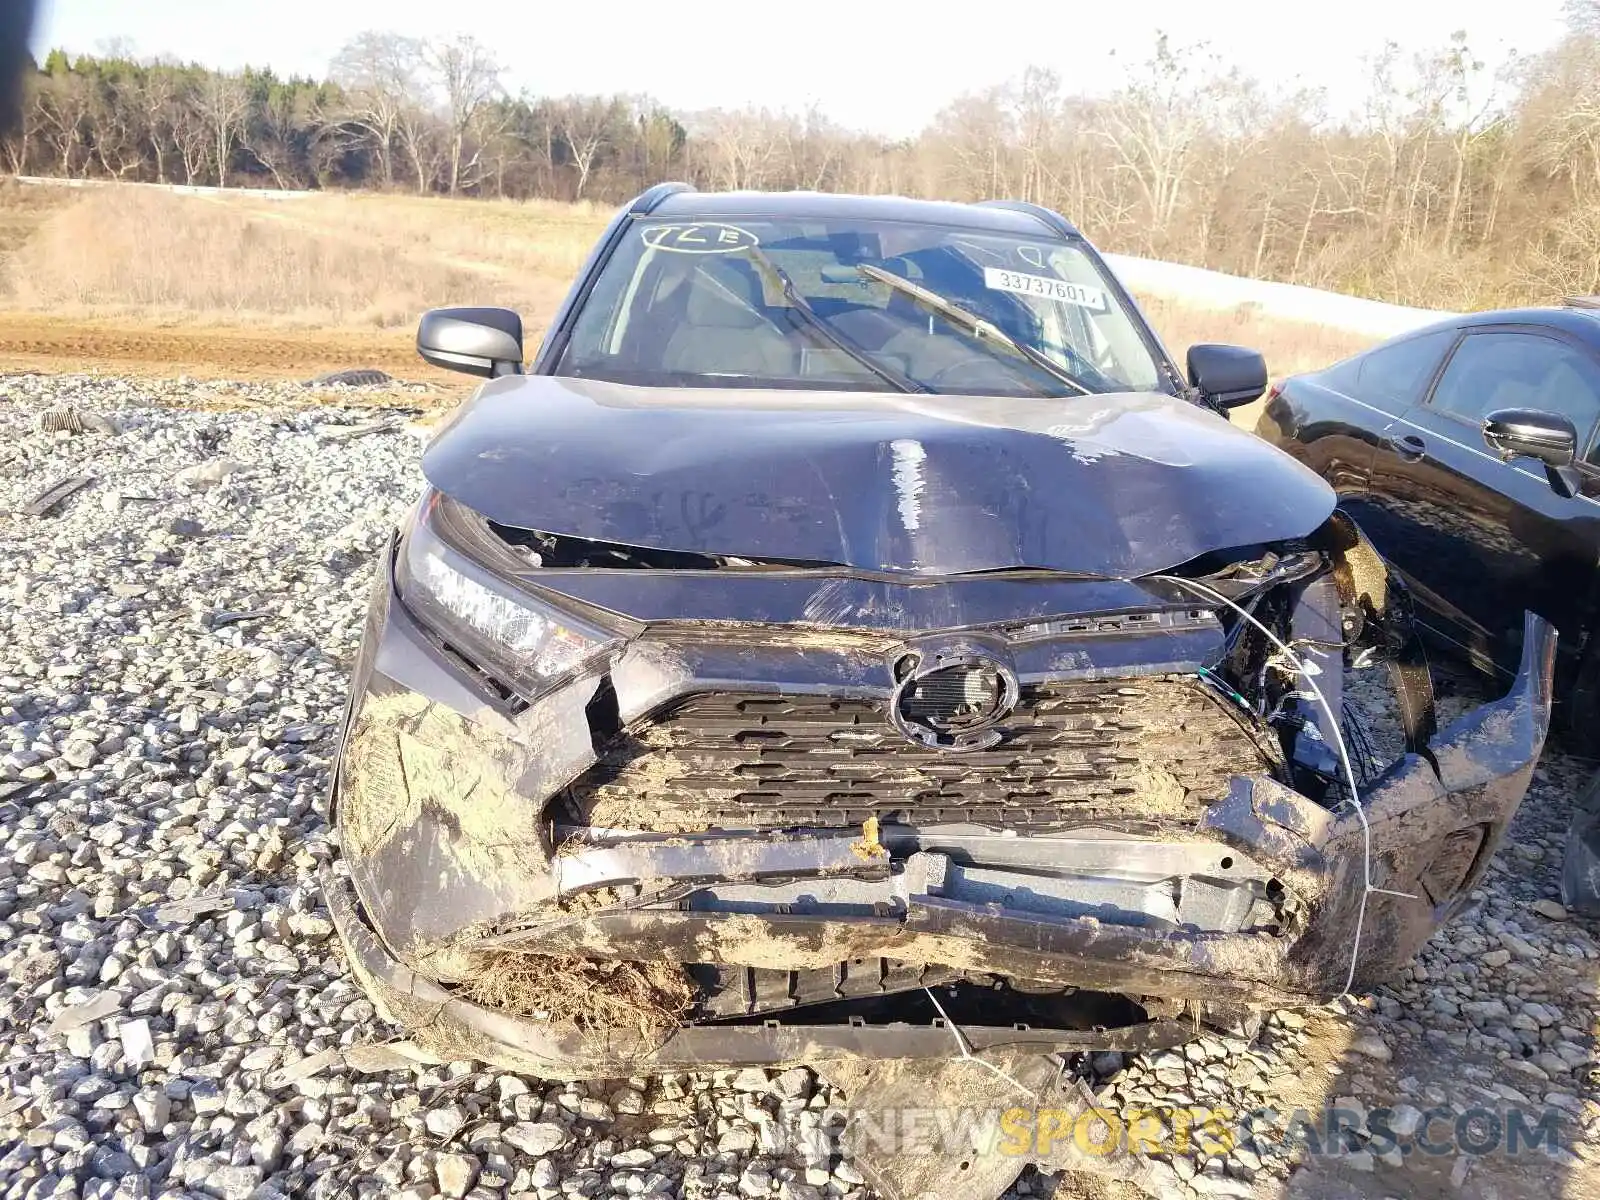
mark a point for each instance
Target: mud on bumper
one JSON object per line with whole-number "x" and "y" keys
{"x": 1263, "y": 899}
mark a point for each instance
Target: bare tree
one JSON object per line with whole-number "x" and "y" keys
{"x": 155, "y": 94}
{"x": 812, "y": 146}
{"x": 972, "y": 134}
{"x": 118, "y": 121}
{"x": 1155, "y": 129}
{"x": 63, "y": 103}
{"x": 270, "y": 136}
{"x": 381, "y": 77}
{"x": 468, "y": 75}
{"x": 419, "y": 138}
{"x": 742, "y": 149}
{"x": 1562, "y": 114}
{"x": 20, "y": 141}
{"x": 192, "y": 135}
{"x": 584, "y": 123}
{"x": 1037, "y": 107}
{"x": 223, "y": 103}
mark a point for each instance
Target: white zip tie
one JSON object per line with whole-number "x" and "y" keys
{"x": 1344, "y": 760}
{"x": 966, "y": 1050}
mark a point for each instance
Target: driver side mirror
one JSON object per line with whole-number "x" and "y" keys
{"x": 1227, "y": 376}
{"x": 1548, "y": 437}
{"x": 475, "y": 341}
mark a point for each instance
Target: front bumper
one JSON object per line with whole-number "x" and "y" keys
{"x": 450, "y": 855}
{"x": 456, "y": 1029}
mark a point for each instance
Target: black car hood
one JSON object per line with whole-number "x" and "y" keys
{"x": 1109, "y": 485}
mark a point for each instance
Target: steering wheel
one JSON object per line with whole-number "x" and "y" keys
{"x": 983, "y": 366}
{"x": 1076, "y": 365}
{"x": 1090, "y": 371}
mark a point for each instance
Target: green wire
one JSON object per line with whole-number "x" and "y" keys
{"x": 1206, "y": 673}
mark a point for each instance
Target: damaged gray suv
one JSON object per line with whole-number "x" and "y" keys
{"x": 853, "y": 633}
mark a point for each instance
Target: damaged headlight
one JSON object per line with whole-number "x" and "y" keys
{"x": 445, "y": 579}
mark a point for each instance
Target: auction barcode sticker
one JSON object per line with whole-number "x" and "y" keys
{"x": 1044, "y": 285}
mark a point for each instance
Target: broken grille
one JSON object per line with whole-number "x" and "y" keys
{"x": 1161, "y": 747}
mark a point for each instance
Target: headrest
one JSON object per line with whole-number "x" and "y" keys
{"x": 723, "y": 298}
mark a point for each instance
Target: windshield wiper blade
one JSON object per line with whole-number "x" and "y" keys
{"x": 979, "y": 328}
{"x": 841, "y": 343}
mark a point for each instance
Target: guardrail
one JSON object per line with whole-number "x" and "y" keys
{"x": 1286, "y": 301}
{"x": 177, "y": 189}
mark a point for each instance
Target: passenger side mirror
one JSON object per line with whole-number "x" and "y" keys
{"x": 475, "y": 341}
{"x": 1548, "y": 437}
{"x": 1227, "y": 376}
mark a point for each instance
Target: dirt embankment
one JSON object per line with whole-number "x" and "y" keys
{"x": 46, "y": 343}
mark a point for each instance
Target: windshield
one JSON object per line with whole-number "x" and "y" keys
{"x": 823, "y": 304}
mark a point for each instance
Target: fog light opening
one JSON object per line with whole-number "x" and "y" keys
{"x": 1443, "y": 878}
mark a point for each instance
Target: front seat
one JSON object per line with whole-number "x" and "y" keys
{"x": 872, "y": 328}
{"x": 724, "y": 332}
{"x": 1567, "y": 393}
{"x": 1510, "y": 391}
{"x": 929, "y": 344}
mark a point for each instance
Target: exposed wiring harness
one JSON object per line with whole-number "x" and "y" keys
{"x": 1355, "y": 731}
{"x": 1335, "y": 726}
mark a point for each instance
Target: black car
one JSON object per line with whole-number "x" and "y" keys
{"x": 854, "y": 636}
{"x": 1469, "y": 450}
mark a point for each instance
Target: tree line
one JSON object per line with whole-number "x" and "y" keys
{"x": 1451, "y": 186}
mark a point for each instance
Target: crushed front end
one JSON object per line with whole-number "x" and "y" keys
{"x": 620, "y": 810}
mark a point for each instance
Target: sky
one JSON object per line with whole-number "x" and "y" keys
{"x": 883, "y": 66}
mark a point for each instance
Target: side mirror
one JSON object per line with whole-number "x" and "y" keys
{"x": 475, "y": 341}
{"x": 1548, "y": 437}
{"x": 1227, "y": 376}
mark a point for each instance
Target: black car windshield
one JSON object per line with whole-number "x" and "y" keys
{"x": 786, "y": 303}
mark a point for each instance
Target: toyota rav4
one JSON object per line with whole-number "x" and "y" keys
{"x": 853, "y": 635}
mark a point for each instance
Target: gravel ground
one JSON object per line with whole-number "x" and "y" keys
{"x": 174, "y": 1018}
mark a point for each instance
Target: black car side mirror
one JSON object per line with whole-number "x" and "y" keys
{"x": 1227, "y": 376}
{"x": 1548, "y": 437}
{"x": 476, "y": 341}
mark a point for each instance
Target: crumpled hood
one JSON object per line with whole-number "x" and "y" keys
{"x": 1111, "y": 485}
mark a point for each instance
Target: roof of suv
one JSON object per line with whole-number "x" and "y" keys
{"x": 987, "y": 217}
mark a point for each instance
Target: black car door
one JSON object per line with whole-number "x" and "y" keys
{"x": 1480, "y": 540}
{"x": 1336, "y": 421}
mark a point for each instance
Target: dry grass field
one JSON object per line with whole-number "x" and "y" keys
{"x": 142, "y": 281}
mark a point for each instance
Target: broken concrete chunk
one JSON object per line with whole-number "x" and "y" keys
{"x": 207, "y": 474}
{"x": 537, "y": 1138}
{"x": 224, "y": 617}
{"x": 79, "y": 1015}
{"x": 1550, "y": 910}
{"x": 388, "y": 1056}
{"x": 345, "y": 433}
{"x": 178, "y": 912}
{"x": 138, "y": 1048}
{"x": 79, "y": 753}
{"x": 305, "y": 1068}
{"x": 56, "y": 494}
